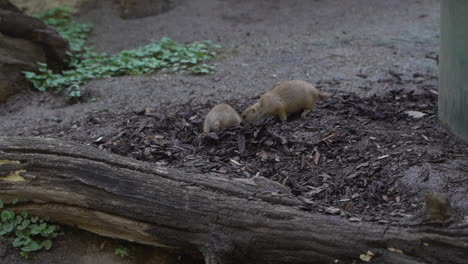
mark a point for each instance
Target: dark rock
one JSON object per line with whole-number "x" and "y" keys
{"x": 17, "y": 55}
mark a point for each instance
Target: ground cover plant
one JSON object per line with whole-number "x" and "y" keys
{"x": 85, "y": 64}
{"x": 28, "y": 233}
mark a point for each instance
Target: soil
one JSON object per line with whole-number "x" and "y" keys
{"x": 359, "y": 151}
{"x": 352, "y": 153}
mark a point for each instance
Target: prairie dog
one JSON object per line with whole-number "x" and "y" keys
{"x": 288, "y": 97}
{"x": 221, "y": 116}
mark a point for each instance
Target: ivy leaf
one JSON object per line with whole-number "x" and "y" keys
{"x": 8, "y": 227}
{"x": 24, "y": 214}
{"x": 7, "y": 215}
{"x": 46, "y": 244}
{"x": 49, "y": 230}
{"x": 37, "y": 229}
{"x": 24, "y": 224}
{"x": 33, "y": 246}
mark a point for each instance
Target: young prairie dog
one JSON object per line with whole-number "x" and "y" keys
{"x": 288, "y": 97}
{"x": 221, "y": 116}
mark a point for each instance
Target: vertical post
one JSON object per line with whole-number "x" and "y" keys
{"x": 453, "y": 68}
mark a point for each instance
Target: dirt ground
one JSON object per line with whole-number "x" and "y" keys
{"x": 358, "y": 151}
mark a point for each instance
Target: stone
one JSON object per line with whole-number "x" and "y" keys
{"x": 17, "y": 55}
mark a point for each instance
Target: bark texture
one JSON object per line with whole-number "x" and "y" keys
{"x": 24, "y": 41}
{"x": 18, "y": 25}
{"x": 223, "y": 219}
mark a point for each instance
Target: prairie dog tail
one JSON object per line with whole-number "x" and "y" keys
{"x": 324, "y": 95}
{"x": 206, "y": 127}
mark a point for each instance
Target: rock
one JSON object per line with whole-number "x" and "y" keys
{"x": 24, "y": 41}
{"x": 17, "y": 55}
{"x": 5, "y": 4}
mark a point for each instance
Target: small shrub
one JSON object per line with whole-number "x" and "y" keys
{"x": 123, "y": 251}
{"x": 62, "y": 19}
{"x": 86, "y": 64}
{"x": 30, "y": 233}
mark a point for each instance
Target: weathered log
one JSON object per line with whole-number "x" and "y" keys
{"x": 18, "y": 25}
{"x": 226, "y": 219}
{"x": 25, "y": 41}
{"x": 5, "y": 4}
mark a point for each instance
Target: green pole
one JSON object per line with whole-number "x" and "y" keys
{"x": 453, "y": 68}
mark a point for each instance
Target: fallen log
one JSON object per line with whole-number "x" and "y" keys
{"x": 223, "y": 219}
{"x": 18, "y": 25}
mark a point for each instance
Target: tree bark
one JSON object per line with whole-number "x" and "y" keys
{"x": 453, "y": 80}
{"x": 18, "y": 25}
{"x": 223, "y": 219}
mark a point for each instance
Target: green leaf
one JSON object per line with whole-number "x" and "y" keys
{"x": 15, "y": 201}
{"x": 85, "y": 64}
{"x": 46, "y": 244}
{"x": 49, "y": 230}
{"x": 33, "y": 246}
{"x": 24, "y": 224}
{"x": 1, "y": 204}
{"x": 37, "y": 229}
{"x": 7, "y": 215}
{"x": 24, "y": 214}
{"x": 21, "y": 241}
{"x": 8, "y": 227}
{"x": 17, "y": 242}
{"x": 17, "y": 220}
{"x": 24, "y": 254}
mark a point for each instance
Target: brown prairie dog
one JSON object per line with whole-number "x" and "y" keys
{"x": 288, "y": 97}
{"x": 221, "y": 116}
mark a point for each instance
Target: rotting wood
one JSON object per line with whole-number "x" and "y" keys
{"x": 18, "y": 25}
{"x": 227, "y": 220}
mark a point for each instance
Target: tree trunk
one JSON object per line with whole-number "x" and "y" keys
{"x": 227, "y": 220}
{"x": 453, "y": 81}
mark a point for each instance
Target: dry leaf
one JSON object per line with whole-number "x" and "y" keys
{"x": 396, "y": 250}
{"x": 317, "y": 158}
{"x": 333, "y": 210}
{"x": 366, "y": 257}
{"x": 415, "y": 114}
{"x": 383, "y": 157}
{"x": 103, "y": 244}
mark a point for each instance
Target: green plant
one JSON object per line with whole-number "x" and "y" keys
{"x": 123, "y": 251}
{"x": 62, "y": 19}
{"x": 86, "y": 64}
{"x": 30, "y": 233}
